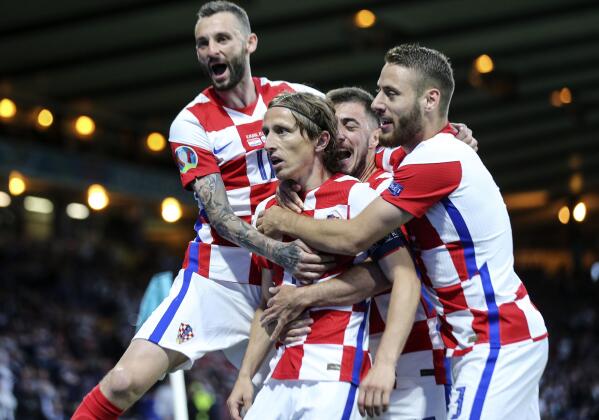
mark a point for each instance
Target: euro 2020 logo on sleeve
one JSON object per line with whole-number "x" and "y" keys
{"x": 186, "y": 158}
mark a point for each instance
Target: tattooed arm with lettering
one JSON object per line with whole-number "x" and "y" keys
{"x": 293, "y": 256}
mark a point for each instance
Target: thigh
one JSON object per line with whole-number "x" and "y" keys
{"x": 200, "y": 316}
{"x": 497, "y": 383}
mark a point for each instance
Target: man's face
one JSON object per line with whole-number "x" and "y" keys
{"x": 292, "y": 154}
{"x": 355, "y": 129}
{"x": 398, "y": 106}
{"x": 221, "y": 49}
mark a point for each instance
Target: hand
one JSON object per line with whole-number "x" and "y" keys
{"x": 305, "y": 264}
{"x": 296, "y": 330}
{"x": 465, "y": 135}
{"x": 269, "y": 221}
{"x": 287, "y": 196}
{"x": 375, "y": 390}
{"x": 284, "y": 306}
{"x": 241, "y": 398}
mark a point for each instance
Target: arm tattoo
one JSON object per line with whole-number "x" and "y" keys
{"x": 211, "y": 191}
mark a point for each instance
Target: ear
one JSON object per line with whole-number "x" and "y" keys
{"x": 373, "y": 140}
{"x": 322, "y": 142}
{"x": 252, "y": 42}
{"x": 432, "y": 99}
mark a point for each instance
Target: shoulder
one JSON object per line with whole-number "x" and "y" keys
{"x": 442, "y": 148}
{"x": 270, "y": 88}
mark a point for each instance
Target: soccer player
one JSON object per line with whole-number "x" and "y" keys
{"x": 218, "y": 145}
{"x": 420, "y": 390}
{"x": 459, "y": 227}
{"x": 317, "y": 377}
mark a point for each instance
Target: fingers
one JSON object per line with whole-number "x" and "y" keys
{"x": 233, "y": 405}
{"x": 277, "y": 331}
{"x": 361, "y": 400}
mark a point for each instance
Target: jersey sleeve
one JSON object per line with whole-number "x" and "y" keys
{"x": 417, "y": 187}
{"x": 191, "y": 148}
{"x": 360, "y": 196}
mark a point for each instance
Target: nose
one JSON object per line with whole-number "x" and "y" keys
{"x": 212, "y": 48}
{"x": 270, "y": 143}
{"x": 377, "y": 105}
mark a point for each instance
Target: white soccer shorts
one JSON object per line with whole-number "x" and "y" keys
{"x": 202, "y": 315}
{"x": 498, "y": 383}
{"x": 305, "y": 400}
{"x": 417, "y": 395}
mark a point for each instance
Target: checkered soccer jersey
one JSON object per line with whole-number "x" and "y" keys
{"x": 424, "y": 335}
{"x": 462, "y": 239}
{"x": 207, "y": 137}
{"x": 337, "y": 347}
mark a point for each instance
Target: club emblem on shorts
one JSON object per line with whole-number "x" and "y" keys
{"x": 185, "y": 333}
{"x": 186, "y": 158}
{"x": 395, "y": 188}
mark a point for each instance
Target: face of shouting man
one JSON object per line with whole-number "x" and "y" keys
{"x": 223, "y": 48}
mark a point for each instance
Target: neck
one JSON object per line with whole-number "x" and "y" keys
{"x": 369, "y": 168}
{"x": 240, "y": 96}
{"x": 431, "y": 127}
{"x": 315, "y": 177}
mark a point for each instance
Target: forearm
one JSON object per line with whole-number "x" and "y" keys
{"x": 356, "y": 284}
{"x": 333, "y": 236}
{"x": 212, "y": 193}
{"x": 258, "y": 347}
{"x": 405, "y": 295}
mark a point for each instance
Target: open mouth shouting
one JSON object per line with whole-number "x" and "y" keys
{"x": 218, "y": 71}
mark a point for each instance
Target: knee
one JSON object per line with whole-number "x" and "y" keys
{"x": 121, "y": 385}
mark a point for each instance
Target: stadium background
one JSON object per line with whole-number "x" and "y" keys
{"x": 71, "y": 278}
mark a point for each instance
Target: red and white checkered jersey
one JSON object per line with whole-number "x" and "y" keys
{"x": 337, "y": 347}
{"x": 207, "y": 137}
{"x": 424, "y": 336}
{"x": 462, "y": 239}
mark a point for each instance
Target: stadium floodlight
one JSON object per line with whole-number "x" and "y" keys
{"x": 77, "y": 211}
{"x": 97, "y": 197}
{"x": 16, "y": 183}
{"x": 171, "y": 210}
{"x": 8, "y": 109}
{"x": 38, "y": 205}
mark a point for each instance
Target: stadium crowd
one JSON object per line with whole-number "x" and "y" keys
{"x": 69, "y": 306}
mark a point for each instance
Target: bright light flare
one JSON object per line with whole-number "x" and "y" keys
{"x": 171, "y": 210}
{"x": 97, "y": 197}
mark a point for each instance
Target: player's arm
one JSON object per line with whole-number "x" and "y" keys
{"x": 376, "y": 388}
{"x": 242, "y": 394}
{"x": 211, "y": 191}
{"x": 347, "y": 237}
{"x": 289, "y": 302}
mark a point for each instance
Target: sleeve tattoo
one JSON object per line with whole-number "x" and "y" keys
{"x": 211, "y": 192}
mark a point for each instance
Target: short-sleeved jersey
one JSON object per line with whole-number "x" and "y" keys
{"x": 462, "y": 239}
{"x": 207, "y": 137}
{"x": 424, "y": 335}
{"x": 337, "y": 347}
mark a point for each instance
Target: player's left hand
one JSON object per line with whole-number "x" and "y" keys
{"x": 465, "y": 135}
{"x": 375, "y": 390}
{"x": 284, "y": 306}
{"x": 241, "y": 398}
{"x": 296, "y": 330}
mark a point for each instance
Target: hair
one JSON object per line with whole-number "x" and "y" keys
{"x": 433, "y": 67}
{"x": 219, "y": 6}
{"x": 354, "y": 95}
{"x": 313, "y": 115}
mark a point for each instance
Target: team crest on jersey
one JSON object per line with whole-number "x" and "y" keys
{"x": 186, "y": 158}
{"x": 185, "y": 333}
{"x": 395, "y": 188}
{"x": 255, "y": 139}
